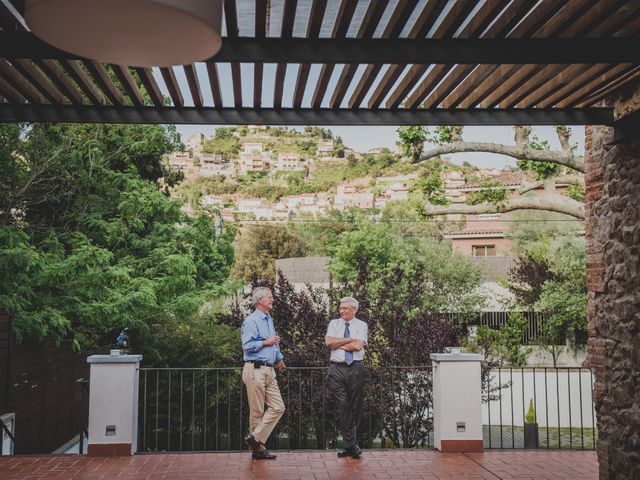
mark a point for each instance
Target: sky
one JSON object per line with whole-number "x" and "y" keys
{"x": 362, "y": 139}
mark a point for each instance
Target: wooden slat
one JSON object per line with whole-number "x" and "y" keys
{"x": 39, "y": 80}
{"x": 214, "y": 82}
{"x": 631, "y": 29}
{"x": 565, "y": 77}
{"x": 128, "y": 83}
{"x": 236, "y": 80}
{"x": 487, "y": 78}
{"x": 596, "y": 84}
{"x": 545, "y": 81}
{"x": 75, "y": 71}
{"x": 609, "y": 26}
{"x": 150, "y": 85}
{"x": 340, "y": 28}
{"x": 10, "y": 93}
{"x": 541, "y": 78}
{"x": 515, "y": 85}
{"x": 19, "y": 83}
{"x": 318, "y": 8}
{"x": 469, "y": 90}
{"x": 394, "y": 27}
{"x": 447, "y": 28}
{"x": 577, "y": 83}
{"x": 172, "y": 85}
{"x": 194, "y": 84}
{"x": 287, "y": 32}
{"x": 258, "y": 69}
{"x": 61, "y": 80}
{"x": 598, "y": 13}
{"x": 423, "y": 24}
{"x": 281, "y": 71}
{"x": 627, "y": 78}
{"x": 605, "y": 19}
{"x": 103, "y": 79}
{"x": 231, "y": 19}
{"x": 367, "y": 28}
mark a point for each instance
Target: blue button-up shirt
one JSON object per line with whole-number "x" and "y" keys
{"x": 257, "y": 327}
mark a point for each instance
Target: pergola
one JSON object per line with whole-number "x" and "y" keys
{"x": 406, "y": 62}
{"x": 320, "y": 62}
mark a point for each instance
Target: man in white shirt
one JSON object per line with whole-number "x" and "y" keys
{"x": 347, "y": 337}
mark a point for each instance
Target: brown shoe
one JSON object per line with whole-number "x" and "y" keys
{"x": 264, "y": 455}
{"x": 254, "y": 444}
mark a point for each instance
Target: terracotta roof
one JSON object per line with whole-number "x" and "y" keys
{"x": 505, "y": 179}
{"x": 476, "y": 231}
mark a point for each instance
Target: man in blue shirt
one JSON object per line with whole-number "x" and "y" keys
{"x": 262, "y": 357}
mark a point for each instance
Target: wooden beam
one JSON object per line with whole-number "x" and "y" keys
{"x": 75, "y": 71}
{"x": 150, "y": 85}
{"x": 37, "y": 78}
{"x": 103, "y": 79}
{"x": 10, "y": 93}
{"x": 340, "y": 28}
{"x": 368, "y": 26}
{"x": 172, "y": 85}
{"x": 128, "y": 83}
{"x": 423, "y": 24}
{"x": 286, "y": 33}
{"x": 61, "y": 80}
{"x": 318, "y": 8}
{"x": 290, "y": 116}
{"x": 19, "y": 83}
{"x": 393, "y": 29}
{"x": 258, "y": 69}
{"x": 214, "y": 82}
{"x": 194, "y": 84}
{"x": 385, "y": 51}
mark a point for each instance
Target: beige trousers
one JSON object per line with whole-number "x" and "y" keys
{"x": 262, "y": 388}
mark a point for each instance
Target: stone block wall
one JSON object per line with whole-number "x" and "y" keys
{"x": 613, "y": 279}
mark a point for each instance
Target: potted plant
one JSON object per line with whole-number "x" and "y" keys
{"x": 530, "y": 428}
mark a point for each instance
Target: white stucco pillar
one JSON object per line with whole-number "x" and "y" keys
{"x": 113, "y": 405}
{"x": 457, "y": 402}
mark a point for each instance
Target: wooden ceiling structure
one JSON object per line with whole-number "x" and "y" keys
{"x": 348, "y": 62}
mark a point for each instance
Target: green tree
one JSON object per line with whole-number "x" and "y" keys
{"x": 412, "y": 139}
{"x": 449, "y": 282}
{"x": 89, "y": 242}
{"x": 258, "y": 247}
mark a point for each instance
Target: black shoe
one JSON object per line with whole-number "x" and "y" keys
{"x": 254, "y": 444}
{"x": 264, "y": 455}
{"x": 354, "y": 452}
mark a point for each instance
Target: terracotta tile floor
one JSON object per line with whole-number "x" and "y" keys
{"x": 311, "y": 465}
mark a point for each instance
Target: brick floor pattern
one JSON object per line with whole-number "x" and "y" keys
{"x": 310, "y": 465}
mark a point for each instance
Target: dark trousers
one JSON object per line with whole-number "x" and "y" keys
{"x": 346, "y": 383}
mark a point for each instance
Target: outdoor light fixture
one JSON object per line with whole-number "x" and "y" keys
{"x": 141, "y": 33}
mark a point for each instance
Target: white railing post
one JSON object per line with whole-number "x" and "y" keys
{"x": 457, "y": 402}
{"x": 113, "y": 405}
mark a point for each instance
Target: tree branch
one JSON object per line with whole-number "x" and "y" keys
{"x": 562, "y": 179}
{"x": 566, "y": 159}
{"x": 552, "y": 203}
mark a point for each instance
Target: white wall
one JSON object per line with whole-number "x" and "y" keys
{"x": 564, "y": 400}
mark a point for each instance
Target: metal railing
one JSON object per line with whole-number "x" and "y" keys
{"x": 205, "y": 409}
{"x": 562, "y": 403}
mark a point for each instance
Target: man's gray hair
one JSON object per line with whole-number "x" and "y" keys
{"x": 351, "y": 301}
{"x": 259, "y": 292}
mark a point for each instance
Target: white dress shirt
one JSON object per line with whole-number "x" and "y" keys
{"x": 358, "y": 331}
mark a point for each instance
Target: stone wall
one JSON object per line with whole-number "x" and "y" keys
{"x": 613, "y": 278}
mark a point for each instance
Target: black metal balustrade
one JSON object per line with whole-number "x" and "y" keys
{"x": 562, "y": 405}
{"x": 204, "y": 409}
